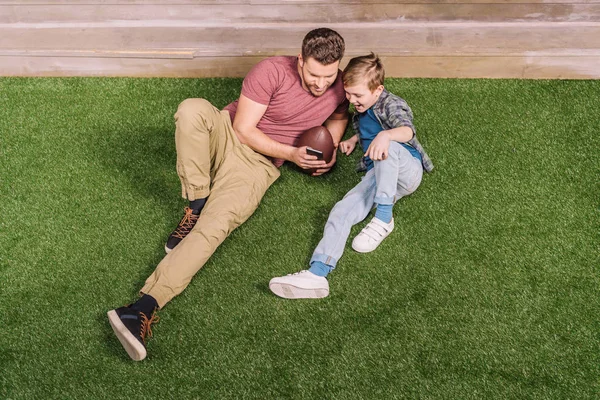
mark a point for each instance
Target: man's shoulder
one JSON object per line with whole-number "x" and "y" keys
{"x": 277, "y": 63}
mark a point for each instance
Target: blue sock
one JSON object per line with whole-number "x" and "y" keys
{"x": 384, "y": 212}
{"x": 320, "y": 269}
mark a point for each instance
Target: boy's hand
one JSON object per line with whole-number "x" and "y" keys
{"x": 379, "y": 147}
{"x": 347, "y": 146}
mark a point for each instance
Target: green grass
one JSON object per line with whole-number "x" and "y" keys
{"x": 488, "y": 287}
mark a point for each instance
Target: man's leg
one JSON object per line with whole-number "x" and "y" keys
{"x": 203, "y": 136}
{"x": 237, "y": 189}
{"x": 234, "y": 172}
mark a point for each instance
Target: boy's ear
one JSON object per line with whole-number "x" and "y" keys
{"x": 378, "y": 90}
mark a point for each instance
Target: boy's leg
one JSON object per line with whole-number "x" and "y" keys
{"x": 349, "y": 211}
{"x": 397, "y": 176}
{"x": 353, "y": 208}
{"x": 409, "y": 178}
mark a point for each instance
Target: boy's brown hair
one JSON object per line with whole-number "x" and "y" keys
{"x": 364, "y": 68}
{"x": 324, "y": 45}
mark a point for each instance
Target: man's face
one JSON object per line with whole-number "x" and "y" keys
{"x": 316, "y": 77}
{"x": 361, "y": 96}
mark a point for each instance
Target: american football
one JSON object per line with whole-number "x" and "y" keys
{"x": 320, "y": 139}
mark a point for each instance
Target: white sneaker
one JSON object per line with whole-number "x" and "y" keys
{"x": 301, "y": 285}
{"x": 372, "y": 235}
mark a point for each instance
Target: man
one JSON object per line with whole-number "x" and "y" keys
{"x": 226, "y": 160}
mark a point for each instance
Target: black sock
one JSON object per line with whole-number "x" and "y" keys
{"x": 197, "y": 205}
{"x": 146, "y": 304}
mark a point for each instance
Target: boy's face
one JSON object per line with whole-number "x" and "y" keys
{"x": 361, "y": 96}
{"x": 316, "y": 77}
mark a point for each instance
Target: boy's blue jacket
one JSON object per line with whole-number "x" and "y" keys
{"x": 393, "y": 112}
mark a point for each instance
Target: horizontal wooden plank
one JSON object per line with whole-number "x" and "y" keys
{"x": 124, "y": 53}
{"x": 415, "y": 39}
{"x": 282, "y": 2}
{"x": 529, "y": 67}
{"x": 194, "y": 53}
{"x": 316, "y": 14}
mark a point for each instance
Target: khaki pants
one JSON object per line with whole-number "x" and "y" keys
{"x": 211, "y": 162}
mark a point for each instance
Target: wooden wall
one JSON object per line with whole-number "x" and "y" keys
{"x": 200, "y": 38}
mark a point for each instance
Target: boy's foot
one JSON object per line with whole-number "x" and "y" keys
{"x": 372, "y": 235}
{"x": 132, "y": 327}
{"x": 183, "y": 228}
{"x": 301, "y": 285}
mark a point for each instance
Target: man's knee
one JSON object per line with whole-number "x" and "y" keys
{"x": 190, "y": 108}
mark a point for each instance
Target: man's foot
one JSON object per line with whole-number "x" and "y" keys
{"x": 132, "y": 327}
{"x": 301, "y": 285}
{"x": 372, "y": 235}
{"x": 185, "y": 226}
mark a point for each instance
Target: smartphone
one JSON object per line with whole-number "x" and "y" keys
{"x": 314, "y": 152}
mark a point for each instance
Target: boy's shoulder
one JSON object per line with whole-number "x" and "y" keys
{"x": 388, "y": 97}
{"x": 390, "y": 105}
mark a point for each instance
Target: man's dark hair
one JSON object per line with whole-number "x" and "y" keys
{"x": 324, "y": 45}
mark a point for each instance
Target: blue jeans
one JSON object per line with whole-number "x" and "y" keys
{"x": 389, "y": 180}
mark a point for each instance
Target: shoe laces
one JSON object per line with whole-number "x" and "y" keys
{"x": 186, "y": 224}
{"x": 146, "y": 328}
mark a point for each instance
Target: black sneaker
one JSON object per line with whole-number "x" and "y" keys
{"x": 132, "y": 327}
{"x": 185, "y": 226}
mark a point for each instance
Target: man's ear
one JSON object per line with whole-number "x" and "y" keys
{"x": 300, "y": 60}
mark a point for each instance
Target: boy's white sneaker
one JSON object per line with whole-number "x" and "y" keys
{"x": 301, "y": 285}
{"x": 372, "y": 235}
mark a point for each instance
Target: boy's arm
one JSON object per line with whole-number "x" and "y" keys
{"x": 245, "y": 124}
{"x": 378, "y": 149}
{"x": 400, "y": 134}
{"x": 347, "y": 146}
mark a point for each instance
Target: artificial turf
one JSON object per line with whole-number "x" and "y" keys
{"x": 487, "y": 288}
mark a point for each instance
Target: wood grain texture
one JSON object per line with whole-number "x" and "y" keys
{"x": 429, "y": 38}
{"x": 417, "y": 39}
{"x": 298, "y": 13}
{"x": 285, "y": 2}
{"x": 534, "y": 67}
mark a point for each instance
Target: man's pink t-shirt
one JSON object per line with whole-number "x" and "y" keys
{"x": 291, "y": 110}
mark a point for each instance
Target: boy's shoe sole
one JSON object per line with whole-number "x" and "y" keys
{"x": 288, "y": 291}
{"x": 130, "y": 343}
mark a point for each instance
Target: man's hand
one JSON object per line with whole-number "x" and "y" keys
{"x": 304, "y": 160}
{"x": 379, "y": 147}
{"x": 326, "y": 167}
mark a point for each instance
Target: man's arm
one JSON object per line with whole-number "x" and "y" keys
{"x": 247, "y": 116}
{"x": 336, "y": 124}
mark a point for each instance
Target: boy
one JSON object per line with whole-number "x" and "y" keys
{"x": 394, "y": 160}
